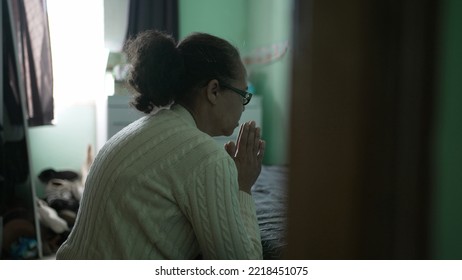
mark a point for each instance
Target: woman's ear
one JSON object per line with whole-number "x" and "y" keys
{"x": 212, "y": 90}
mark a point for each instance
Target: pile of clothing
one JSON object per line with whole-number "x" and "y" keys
{"x": 57, "y": 210}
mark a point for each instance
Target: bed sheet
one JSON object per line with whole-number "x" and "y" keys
{"x": 270, "y": 195}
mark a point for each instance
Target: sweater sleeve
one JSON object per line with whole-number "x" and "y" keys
{"x": 223, "y": 217}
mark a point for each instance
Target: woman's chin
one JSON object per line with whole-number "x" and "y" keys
{"x": 229, "y": 132}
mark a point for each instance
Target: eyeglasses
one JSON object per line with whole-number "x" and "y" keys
{"x": 246, "y": 96}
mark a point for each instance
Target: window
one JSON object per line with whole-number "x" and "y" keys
{"x": 78, "y": 53}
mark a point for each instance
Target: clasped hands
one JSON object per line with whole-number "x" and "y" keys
{"x": 247, "y": 154}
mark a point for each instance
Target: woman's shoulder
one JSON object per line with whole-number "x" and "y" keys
{"x": 206, "y": 145}
{"x": 200, "y": 149}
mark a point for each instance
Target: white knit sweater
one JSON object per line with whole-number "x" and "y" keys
{"x": 162, "y": 189}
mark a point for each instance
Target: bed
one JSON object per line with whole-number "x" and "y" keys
{"x": 270, "y": 194}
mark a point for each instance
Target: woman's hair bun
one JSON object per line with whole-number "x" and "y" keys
{"x": 156, "y": 69}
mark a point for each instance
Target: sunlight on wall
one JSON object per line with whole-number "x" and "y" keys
{"x": 79, "y": 56}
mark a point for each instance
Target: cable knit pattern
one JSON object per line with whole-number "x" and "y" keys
{"x": 162, "y": 189}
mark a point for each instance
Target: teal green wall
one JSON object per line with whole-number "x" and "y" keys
{"x": 223, "y": 18}
{"x": 270, "y": 22}
{"x": 447, "y": 227}
{"x": 251, "y": 25}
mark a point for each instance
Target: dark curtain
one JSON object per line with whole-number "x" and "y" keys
{"x": 30, "y": 21}
{"x": 11, "y": 93}
{"x": 14, "y": 160}
{"x": 161, "y": 15}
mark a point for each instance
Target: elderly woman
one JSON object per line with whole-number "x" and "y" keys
{"x": 162, "y": 188}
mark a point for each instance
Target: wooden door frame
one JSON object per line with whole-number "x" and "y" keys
{"x": 363, "y": 84}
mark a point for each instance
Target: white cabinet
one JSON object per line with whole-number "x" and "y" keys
{"x": 120, "y": 113}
